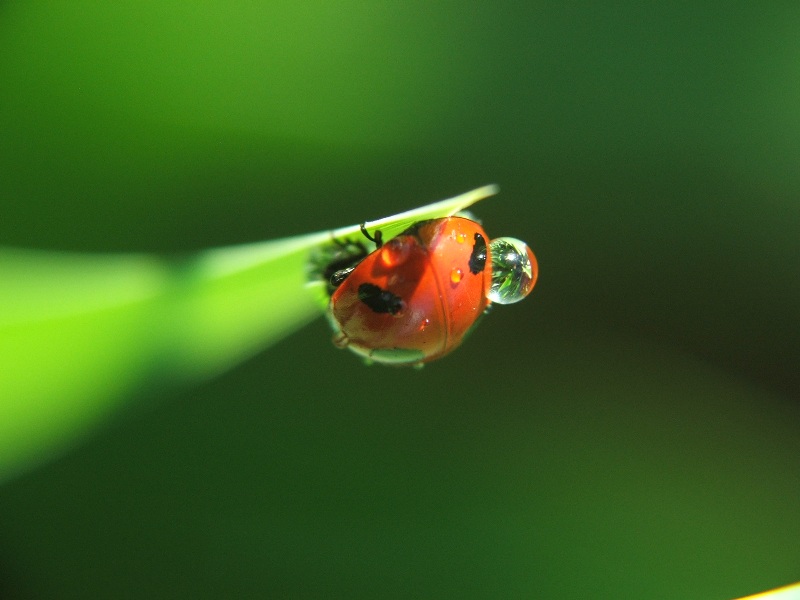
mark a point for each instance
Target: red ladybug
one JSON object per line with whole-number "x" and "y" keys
{"x": 415, "y": 297}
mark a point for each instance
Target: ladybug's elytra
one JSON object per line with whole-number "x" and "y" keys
{"x": 415, "y": 297}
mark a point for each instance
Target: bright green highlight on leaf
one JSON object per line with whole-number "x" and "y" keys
{"x": 78, "y": 333}
{"x": 789, "y": 592}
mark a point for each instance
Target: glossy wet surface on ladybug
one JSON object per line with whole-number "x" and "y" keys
{"x": 413, "y": 299}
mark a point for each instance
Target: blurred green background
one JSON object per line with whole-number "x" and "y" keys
{"x": 629, "y": 431}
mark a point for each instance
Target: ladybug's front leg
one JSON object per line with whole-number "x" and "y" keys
{"x": 377, "y": 239}
{"x": 339, "y": 276}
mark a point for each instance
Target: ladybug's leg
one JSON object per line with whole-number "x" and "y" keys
{"x": 341, "y": 262}
{"x": 378, "y": 238}
{"x": 340, "y": 340}
{"x": 339, "y": 276}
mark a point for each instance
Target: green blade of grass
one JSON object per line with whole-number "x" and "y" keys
{"x": 78, "y": 334}
{"x": 789, "y": 592}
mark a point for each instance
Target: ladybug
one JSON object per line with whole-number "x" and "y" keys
{"x": 414, "y": 298}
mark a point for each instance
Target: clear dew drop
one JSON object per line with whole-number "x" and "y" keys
{"x": 456, "y": 275}
{"x": 424, "y": 324}
{"x": 514, "y": 270}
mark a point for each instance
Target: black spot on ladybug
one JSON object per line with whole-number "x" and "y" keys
{"x": 477, "y": 260}
{"x": 380, "y": 301}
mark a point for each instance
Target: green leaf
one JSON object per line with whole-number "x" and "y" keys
{"x": 79, "y": 333}
{"x": 789, "y": 592}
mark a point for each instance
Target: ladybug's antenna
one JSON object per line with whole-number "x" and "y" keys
{"x": 377, "y": 240}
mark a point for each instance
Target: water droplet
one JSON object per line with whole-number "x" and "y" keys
{"x": 514, "y": 270}
{"x": 461, "y": 238}
{"x": 424, "y": 325}
{"x": 456, "y": 275}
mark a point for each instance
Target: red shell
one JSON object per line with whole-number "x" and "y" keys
{"x": 414, "y": 299}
